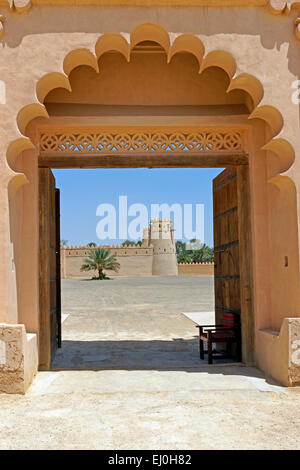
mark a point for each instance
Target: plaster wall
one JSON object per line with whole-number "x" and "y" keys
{"x": 195, "y": 269}
{"x": 148, "y": 80}
{"x": 161, "y": 237}
{"x": 279, "y": 352}
{"x": 133, "y": 262}
{"x": 18, "y": 358}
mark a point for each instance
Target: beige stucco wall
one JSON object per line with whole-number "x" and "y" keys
{"x": 195, "y": 269}
{"x": 155, "y": 75}
{"x": 18, "y": 358}
{"x": 134, "y": 261}
{"x": 266, "y": 51}
{"x": 279, "y": 352}
{"x": 161, "y": 237}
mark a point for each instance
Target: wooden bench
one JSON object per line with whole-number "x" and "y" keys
{"x": 228, "y": 332}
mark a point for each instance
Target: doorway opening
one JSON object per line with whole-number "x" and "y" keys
{"x": 143, "y": 103}
{"x": 151, "y": 302}
{"x": 158, "y": 113}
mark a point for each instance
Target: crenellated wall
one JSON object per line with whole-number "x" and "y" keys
{"x": 134, "y": 261}
{"x": 195, "y": 269}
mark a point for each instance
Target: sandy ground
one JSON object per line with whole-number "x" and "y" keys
{"x": 129, "y": 377}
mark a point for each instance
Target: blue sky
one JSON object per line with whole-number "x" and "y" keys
{"x": 83, "y": 190}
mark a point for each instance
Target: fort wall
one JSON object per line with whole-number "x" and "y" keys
{"x": 156, "y": 255}
{"x": 134, "y": 261}
{"x": 160, "y": 235}
{"x": 195, "y": 269}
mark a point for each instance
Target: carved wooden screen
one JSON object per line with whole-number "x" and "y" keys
{"x": 120, "y": 148}
{"x": 104, "y": 142}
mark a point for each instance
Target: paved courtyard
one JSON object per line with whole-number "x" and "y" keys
{"x": 132, "y": 323}
{"x": 129, "y": 377}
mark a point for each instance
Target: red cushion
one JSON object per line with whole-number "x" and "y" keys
{"x": 219, "y": 334}
{"x": 228, "y": 320}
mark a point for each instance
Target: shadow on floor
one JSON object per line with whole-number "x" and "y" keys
{"x": 160, "y": 355}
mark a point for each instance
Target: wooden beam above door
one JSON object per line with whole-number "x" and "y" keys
{"x": 147, "y": 160}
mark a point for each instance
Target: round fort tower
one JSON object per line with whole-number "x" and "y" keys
{"x": 160, "y": 235}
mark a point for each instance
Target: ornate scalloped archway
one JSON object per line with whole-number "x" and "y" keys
{"x": 277, "y": 149}
{"x": 172, "y": 44}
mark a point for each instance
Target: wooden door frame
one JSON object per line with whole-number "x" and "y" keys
{"x": 239, "y": 160}
{"x": 44, "y": 269}
{"x": 58, "y": 266}
{"x": 46, "y": 347}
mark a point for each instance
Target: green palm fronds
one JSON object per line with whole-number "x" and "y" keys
{"x": 100, "y": 260}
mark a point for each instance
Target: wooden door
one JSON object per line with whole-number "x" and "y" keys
{"x": 233, "y": 256}
{"x": 226, "y": 244}
{"x": 49, "y": 268}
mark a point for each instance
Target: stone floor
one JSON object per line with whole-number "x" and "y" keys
{"x": 129, "y": 377}
{"x": 132, "y": 323}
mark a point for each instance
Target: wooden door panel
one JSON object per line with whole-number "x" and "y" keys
{"x": 226, "y": 243}
{"x": 52, "y": 248}
{"x": 44, "y": 269}
{"x": 233, "y": 256}
{"x": 49, "y": 254}
{"x": 58, "y": 270}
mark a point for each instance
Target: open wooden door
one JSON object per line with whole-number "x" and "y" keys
{"x": 49, "y": 268}
{"x": 232, "y": 244}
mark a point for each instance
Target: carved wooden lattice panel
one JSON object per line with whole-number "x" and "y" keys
{"x": 51, "y": 143}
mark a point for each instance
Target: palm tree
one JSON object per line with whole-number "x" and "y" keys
{"x": 91, "y": 244}
{"x": 184, "y": 257}
{"x": 203, "y": 255}
{"x": 128, "y": 243}
{"x": 99, "y": 260}
{"x": 180, "y": 246}
{"x": 132, "y": 243}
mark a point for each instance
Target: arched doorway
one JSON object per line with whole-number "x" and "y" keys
{"x": 158, "y": 110}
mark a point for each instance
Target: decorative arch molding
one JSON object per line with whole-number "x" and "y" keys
{"x": 149, "y": 31}
{"x": 172, "y": 44}
{"x": 297, "y": 28}
{"x": 215, "y": 58}
{"x": 285, "y": 185}
{"x": 79, "y": 57}
{"x": 187, "y": 43}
